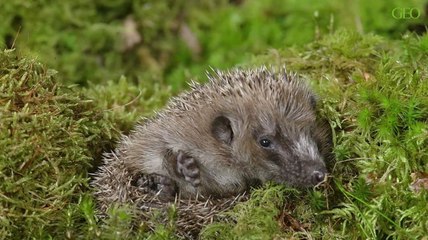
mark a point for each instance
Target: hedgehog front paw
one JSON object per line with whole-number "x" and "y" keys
{"x": 164, "y": 187}
{"x": 188, "y": 168}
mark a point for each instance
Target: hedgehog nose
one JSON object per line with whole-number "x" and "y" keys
{"x": 317, "y": 177}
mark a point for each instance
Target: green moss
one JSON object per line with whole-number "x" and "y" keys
{"x": 255, "y": 219}
{"x": 49, "y": 135}
{"x": 124, "y": 103}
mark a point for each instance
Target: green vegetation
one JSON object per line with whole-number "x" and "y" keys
{"x": 372, "y": 80}
{"x": 95, "y": 41}
{"x": 49, "y": 135}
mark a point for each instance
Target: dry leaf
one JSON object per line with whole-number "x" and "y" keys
{"x": 190, "y": 39}
{"x": 420, "y": 182}
{"x": 130, "y": 34}
{"x": 289, "y": 222}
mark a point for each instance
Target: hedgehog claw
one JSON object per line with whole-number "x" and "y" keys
{"x": 164, "y": 187}
{"x": 188, "y": 168}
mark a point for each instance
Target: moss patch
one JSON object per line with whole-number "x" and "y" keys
{"x": 49, "y": 135}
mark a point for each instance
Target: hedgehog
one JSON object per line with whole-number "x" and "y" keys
{"x": 241, "y": 129}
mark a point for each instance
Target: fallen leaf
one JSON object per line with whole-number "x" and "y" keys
{"x": 367, "y": 76}
{"x": 130, "y": 34}
{"x": 420, "y": 182}
{"x": 190, "y": 39}
{"x": 289, "y": 222}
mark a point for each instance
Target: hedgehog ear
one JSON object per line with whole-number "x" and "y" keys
{"x": 221, "y": 129}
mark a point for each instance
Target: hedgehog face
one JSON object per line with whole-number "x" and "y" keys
{"x": 284, "y": 153}
{"x": 288, "y": 154}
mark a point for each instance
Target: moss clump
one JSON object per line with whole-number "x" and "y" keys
{"x": 255, "y": 219}
{"x": 49, "y": 135}
{"x": 124, "y": 102}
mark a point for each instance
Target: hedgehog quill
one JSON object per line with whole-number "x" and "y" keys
{"x": 239, "y": 130}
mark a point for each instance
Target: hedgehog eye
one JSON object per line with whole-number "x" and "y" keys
{"x": 265, "y": 143}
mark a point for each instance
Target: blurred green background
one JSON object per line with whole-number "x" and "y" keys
{"x": 169, "y": 42}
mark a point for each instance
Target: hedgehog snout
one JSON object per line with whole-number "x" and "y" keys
{"x": 318, "y": 176}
